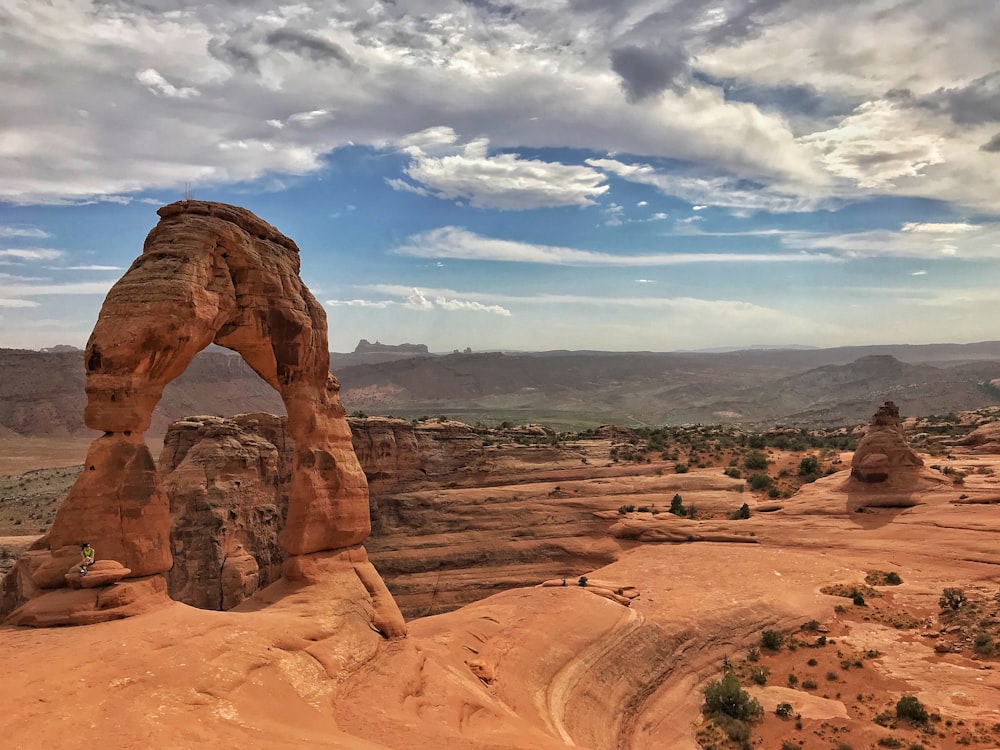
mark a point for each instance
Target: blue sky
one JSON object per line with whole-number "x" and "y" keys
{"x": 561, "y": 174}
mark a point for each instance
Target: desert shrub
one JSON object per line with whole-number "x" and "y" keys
{"x": 951, "y": 598}
{"x": 755, "y": 461}
{"x": 753, "y": 654}
{"x": 726, "y": 697}
{"x": 811, "y": 626}
{"x": 983, "y": 644}
{"x": 742, "y": 514}
{"x": 857, "y": 598}
{"x": 772, "y": 640}
{"x": 774, "y": 492}
{"x": 623, "y": 509}
{"x": 681, "y": 468}
{"x": 582, "y": 581}
{"x": 890, "y": 742}
{"x": 908, "y": 707}
{"x": 784, "y": 710}
{"x": 759, "y": 481}
{"x": 809, "y": 466}
{"x": 732, "y": 472}
{"x": 831, "y": 676}
{"x": 892, "y": 579}
{"x": 809, "y": 684}
{"x": 759, "y": 675}
{"x": 790, "y": 745}
{"x": 792, "y": 680}
{"x": 677, "y": 506}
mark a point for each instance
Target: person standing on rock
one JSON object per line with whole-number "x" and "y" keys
{"x": 88, "y": 557}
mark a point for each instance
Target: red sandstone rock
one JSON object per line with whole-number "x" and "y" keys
{"x": 882, "y": 454}
{"x": 210, "y": 273}
{"x": 101, "y": 573}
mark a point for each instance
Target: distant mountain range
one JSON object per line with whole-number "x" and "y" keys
{"x": 41, "y": 393}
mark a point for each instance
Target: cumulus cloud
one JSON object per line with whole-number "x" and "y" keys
{"x": 647, "y": 72}
{"x": 730, "y": 192}
{"x": 992, "y": 145}
{"x": 459, "y": 243}
{"x": 160, "y": 86}
{"x": 413, "y": 298}
{"x": 876, "y": 145}
{"x": 308, "y": 44}
{"x": 503, "y": 181}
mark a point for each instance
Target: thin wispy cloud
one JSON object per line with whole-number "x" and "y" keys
{"x": 27, "y": 255}
{"x": 461, "y": 244}
{"x": 29, "y": 232}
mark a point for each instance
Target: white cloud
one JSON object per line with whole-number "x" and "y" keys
{"x": 160, "y": 86}
{"x": 42, "y": 290}
{"x": 91, "y": 268}
{"x": 876, "y": 145}
{"x": 455, "y": 242}
{"x": 730, "y": 192}
{"x": 32, "y": 232}
{"x": 919, "y": 273}
{"x": 966, "y": 241}
{"x": 412, "y": 298}
{"x": 24, "y": 255}
{"x": 503, "y": 181}
{"x": 17, "y": 303}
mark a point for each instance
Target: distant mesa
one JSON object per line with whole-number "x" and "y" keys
{"x": 58, "y": 348}
{"x": 366, "y": 347}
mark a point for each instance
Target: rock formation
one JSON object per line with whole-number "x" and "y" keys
{"x": 882, "y": 454}
{"x": 208, "y": 273}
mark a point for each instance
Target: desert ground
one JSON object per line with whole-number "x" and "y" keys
{"x": 796, "y": 602}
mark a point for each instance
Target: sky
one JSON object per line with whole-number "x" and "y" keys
{"x": 616, "y": 175}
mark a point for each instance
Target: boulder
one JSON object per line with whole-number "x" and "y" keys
{"x": 101, "y": 573}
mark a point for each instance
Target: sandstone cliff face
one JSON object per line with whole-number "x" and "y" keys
{"x": 395, "y": 453}
{"x": 228, "y": 483}
{"x": 882, "y": 454}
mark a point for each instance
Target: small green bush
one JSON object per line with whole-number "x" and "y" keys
{"x": 582, "y": 581}
{"x": 755, "y": 461}
{"x": 759, "y": 675}
{"x": 892, "y": 579}
{"x": 908, "y": 707}
{"x": 784, "y": 710}
{"x": 726, "y": 697}
{"x": 809, "y": 684}
{"x": 772, "y": 640}
{"x": 983, "y": 644}
{"x": 890, "y": 742}
{"x": 759, "y": 482}
{"x": 742, "y": 514}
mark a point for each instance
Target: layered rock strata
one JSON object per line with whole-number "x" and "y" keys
{"x": 208, "y": 273}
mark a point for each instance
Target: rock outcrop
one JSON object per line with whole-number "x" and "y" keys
{"x": 882, "y": 454}
{"x": 208, "y": 273}
{"x": 228, "y": 482}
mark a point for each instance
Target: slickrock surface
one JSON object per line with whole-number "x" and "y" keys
{"x": 552, "y": 666}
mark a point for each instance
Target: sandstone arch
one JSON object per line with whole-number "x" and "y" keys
{"x": 210, "y": 272}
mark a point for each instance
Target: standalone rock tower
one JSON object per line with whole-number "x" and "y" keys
{"x": 211, "y": 272}
{"x": 882, "y": 454}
